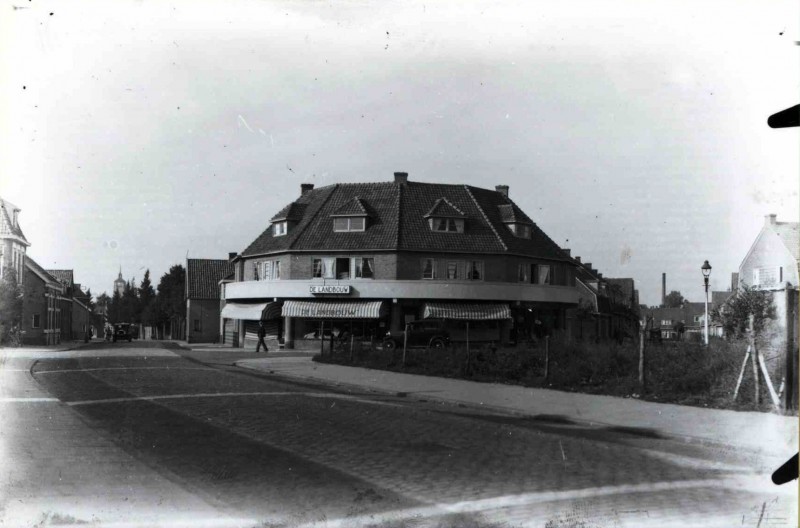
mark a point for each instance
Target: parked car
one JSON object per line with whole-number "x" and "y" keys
{"x": 428, "y": 333}
{"x": 123, "y": 331}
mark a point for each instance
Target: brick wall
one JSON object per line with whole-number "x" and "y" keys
{"x": 207, "y": 313}
{"x": 34, "y": 302}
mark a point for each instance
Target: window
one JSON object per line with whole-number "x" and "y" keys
{"x": 522, "y": 272}
{"x": 666, "y": 322}
{"x": 363, "y": 267}
{"x": 270, "y": 270}
{"x": 345, "y": 224}
{"x": 197, "y": 325}
{"x": 447, "y": 225}
{"x": 453, "y": 267}
{"x": 343, "y": 268}
{"x": 474, "y": 270}
{"x": 520, "y": 230}
{"x": 324, "y": 268}
{"x": 36, "y": 321}
{"x": 429, "y": 269}
{"x": 542, "y": 274}
{"x": 279, "y": 228}
{"x": 698, "y": 318}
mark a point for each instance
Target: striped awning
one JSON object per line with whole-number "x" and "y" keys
{"x": 252, "y": 312}
{"x": 467, "y": 312}
{"x": 333, "y": 309}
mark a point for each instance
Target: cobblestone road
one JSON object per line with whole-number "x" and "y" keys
{"x": 252, "y": 447}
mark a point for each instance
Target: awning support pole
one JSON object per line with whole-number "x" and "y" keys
{"x": 321, "y": 338}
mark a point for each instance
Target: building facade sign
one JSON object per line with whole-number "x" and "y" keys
{"x": 329, "y": 290}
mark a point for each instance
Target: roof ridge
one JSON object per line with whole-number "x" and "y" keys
{"x": 297, "y": 235}
{"x": 486, "y": 218}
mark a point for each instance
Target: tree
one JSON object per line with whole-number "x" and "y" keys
{"x": 130, "y": 303}
{"x": 146, "y": 296}
{"x": 584, "y": 312}
{"x": 734, "y": 315}
{"x": 10, "y": 307}
{"x": 115, "y": 307}
{"x": 90, "y": 302}
{"x": 674, "y": 300}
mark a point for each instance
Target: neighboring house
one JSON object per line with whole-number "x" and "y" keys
{"x": 684, "y": 322}
{"x": 369, "y": 257}
{"x": 203, "y": 278}
{"x": 41, "y": 310}
{"x": 65, "y": 301}
{"x": 608, "y": 308}
{"x": 771, "y": 264}
{"x": 13, "y": 244}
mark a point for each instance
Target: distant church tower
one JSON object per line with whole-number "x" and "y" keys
{"x": 119, "y": 284}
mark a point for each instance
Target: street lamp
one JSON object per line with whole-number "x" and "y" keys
{"x": 706, "y": 269}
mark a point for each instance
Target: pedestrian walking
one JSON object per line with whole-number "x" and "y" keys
{"x": 262, "y": 333}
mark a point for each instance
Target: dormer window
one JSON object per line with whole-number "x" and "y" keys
{"x": 447, "y": 225}
{"x": 444, "y": 217}
{"x": 348, "y": 223}
{"x": 280, "y": 228}
{"x": 520, "y": 230}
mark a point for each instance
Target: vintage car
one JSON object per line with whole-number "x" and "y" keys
{"x": 428, "y": 333}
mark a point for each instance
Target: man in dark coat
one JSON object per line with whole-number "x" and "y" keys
{"x": 262, "y": 333}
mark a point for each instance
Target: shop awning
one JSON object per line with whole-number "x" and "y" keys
{"x": 252, "y": 312}
{"x": 467, "y": 312}
{"x": 333, "y": 309}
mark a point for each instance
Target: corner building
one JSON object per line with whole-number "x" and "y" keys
{"x": 369, "y": 257}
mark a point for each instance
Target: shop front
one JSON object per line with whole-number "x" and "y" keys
{"x": 473, "y": 322}
{"x": 308, "y": 321}
{"x": 241, "y": 322}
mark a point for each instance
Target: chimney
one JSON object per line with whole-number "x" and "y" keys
{"x": 770, "y": 219}
{"x": 14, "y": 219}
{"x": 588, "y": 266}
{"x": 502, "y": 189}
{"x": 734, "y": 282}
{"x": 306, "y": 187}
{"x": 568, "y": 252}
{"x": 401, "y": 178}
{"x": 663, "y": 289}
{"x": 599, "y": 275}
{"x": 231, "y": 256}
{"x": 578, "y": 260}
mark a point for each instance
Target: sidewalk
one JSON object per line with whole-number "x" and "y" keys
{"x": 773, "y": 434}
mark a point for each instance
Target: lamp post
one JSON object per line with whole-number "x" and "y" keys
{"x": 706, "y": 269}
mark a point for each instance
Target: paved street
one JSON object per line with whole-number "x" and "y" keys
{"x": 138, "y": 435}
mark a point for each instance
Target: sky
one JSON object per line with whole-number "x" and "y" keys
{"x": 135, "y": 134}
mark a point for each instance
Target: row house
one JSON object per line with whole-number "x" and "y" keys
{"x": 41, "y": 306}
{"x": 370, "y": 257}
{"x": 203, "y": 278}
{"x": 13, "y": 244}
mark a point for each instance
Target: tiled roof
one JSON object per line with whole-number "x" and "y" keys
{"x": 789, "y": 233}
{"x": 6, "y": 220}
{"x": 203, "y": 276}
{"x": 719, "y": 297}
{"x": 397, "y": 222}
{"x": 444, "y": 209}
{"x": 292, "y": 212}
{"x": 354, "y": 207}
{"x": 511, "y": 214}
{"x": 40, "y": 270}
{"x": 65, "y": 277}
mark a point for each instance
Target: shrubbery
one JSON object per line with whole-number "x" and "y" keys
{"x": 679, "y": 372}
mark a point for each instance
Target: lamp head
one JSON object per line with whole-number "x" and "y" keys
{"x": 706, "y": 269}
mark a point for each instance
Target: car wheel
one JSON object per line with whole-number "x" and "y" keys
{"x": 437, "y": 343}
{"x": 389, "y": 344}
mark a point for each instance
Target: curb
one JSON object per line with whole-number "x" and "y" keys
{"x": 642, "y": 432}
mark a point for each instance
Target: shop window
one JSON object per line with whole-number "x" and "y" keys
{"x": 474, "y": 270}
{"x": 453, "y": 270}
{"x": 36, "y": 321}
{"x": 279, "y": 228}
{"x": 429, "y": 268}
{"x": 363, "y": 267}
{"x": 346, "y": 224}
{"x": 447, "y": 225}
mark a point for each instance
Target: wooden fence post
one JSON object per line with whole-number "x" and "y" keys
{"x": 754, "y": 360}
{"x": 642, "y": 374}
{"x": 466, "y": 365}
{"x": 321, "y": 338}
{"x": 405, "y": 344}
{"x": 352, "y": 341}
{"x": 546, "y": 356}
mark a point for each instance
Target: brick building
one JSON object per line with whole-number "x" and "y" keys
{"x": 41, "y": 309}
{"x": 367, "y": 257}
{"x": 13, "y": 244}
{"x": 203, "y": 278}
